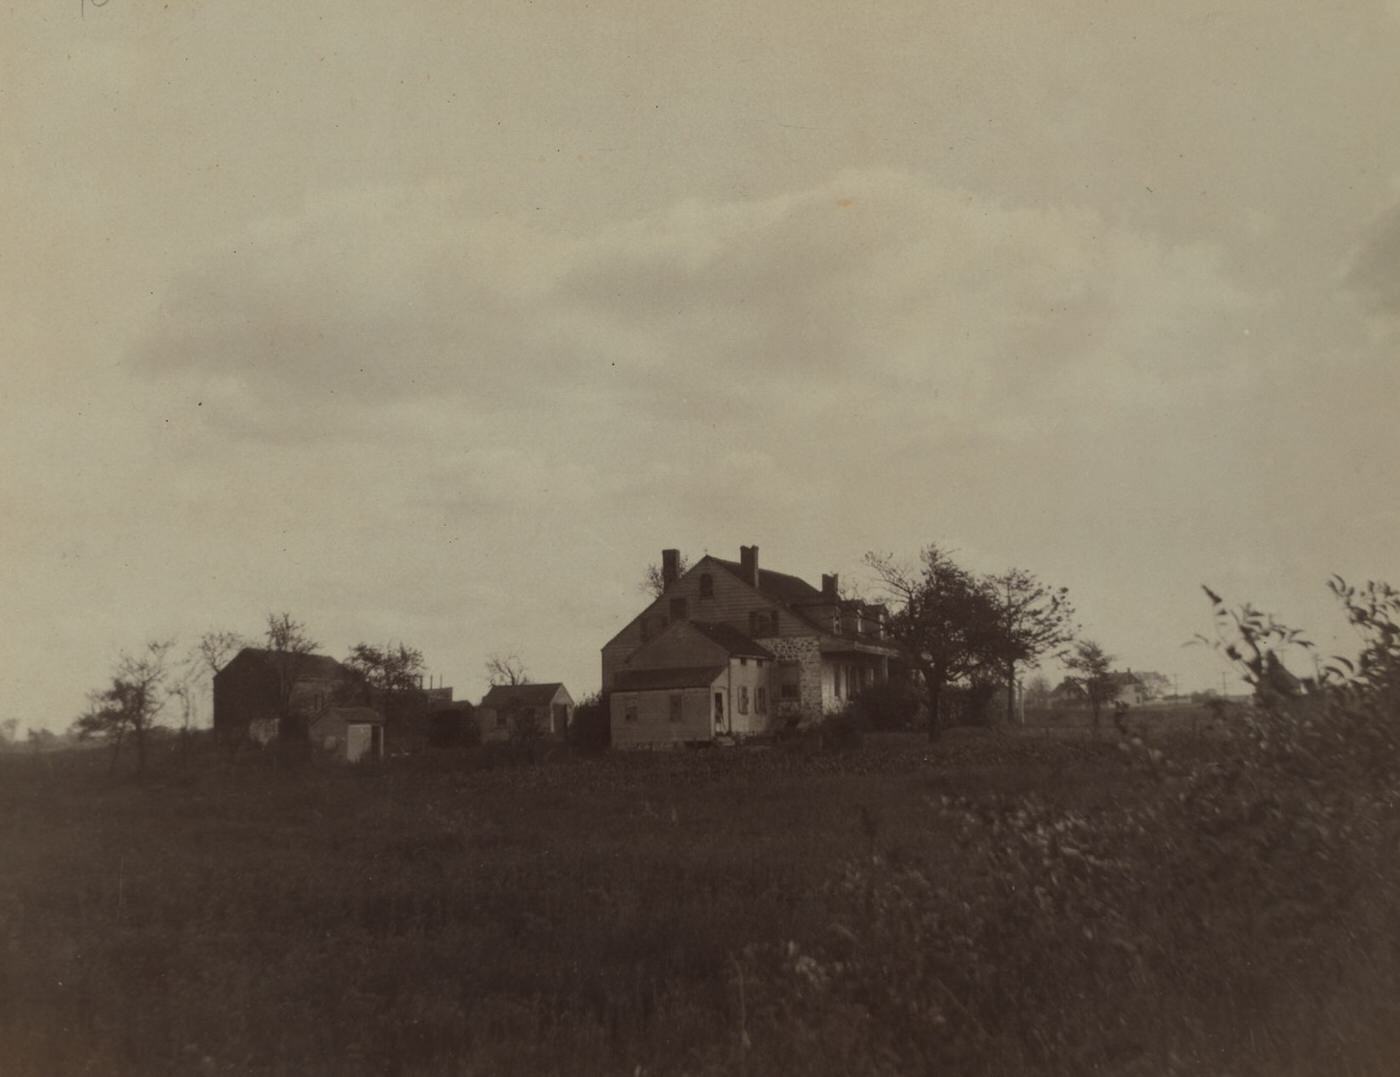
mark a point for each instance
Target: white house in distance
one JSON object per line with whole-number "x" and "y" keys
{"x": 508, "y": 710}
{"x": 726, "y": 628}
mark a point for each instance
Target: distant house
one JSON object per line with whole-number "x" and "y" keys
{"x": 512, "y": 710}
{"x": 818, "y": 650}
{"x": 248, "y": 691}
{"x": 1125, "y": 688}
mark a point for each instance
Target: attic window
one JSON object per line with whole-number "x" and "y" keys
{"x": 707, "y": 586}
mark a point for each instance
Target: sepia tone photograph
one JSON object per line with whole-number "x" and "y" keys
{"x": 663, "y": 539}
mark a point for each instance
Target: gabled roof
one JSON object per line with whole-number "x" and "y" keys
{"x": 307, "y": 665}
{"x": 506, "y": 696}
{"x": 789, "y": 589}
{"x": 641, "y": 680}
{"x": 731, "y": 639}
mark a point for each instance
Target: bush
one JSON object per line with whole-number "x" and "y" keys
{"x": 455, "y": 727}
{"x": 1240, "y": 920}
{"x": 888, "y": 706}
{"x": 591, "y": 729}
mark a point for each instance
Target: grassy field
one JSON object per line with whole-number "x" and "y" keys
{"x": 737, "y": 911}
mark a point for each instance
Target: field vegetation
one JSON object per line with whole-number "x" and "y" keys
{"x": 1150, "y": 901}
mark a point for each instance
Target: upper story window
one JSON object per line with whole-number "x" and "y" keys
{"x": 763, "y": 623}
{"x": 707, "y": 586}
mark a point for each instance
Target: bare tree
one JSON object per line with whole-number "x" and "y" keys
{"x": 944, "y": 621}
{"x": 214, "y": 649}
{"x": 1035, "y": 620}
{"x": 506, "y": 669}
{"x": 132, "y": 703}
{"x": 654, "y": 579}
{"x": 289, "y": 647}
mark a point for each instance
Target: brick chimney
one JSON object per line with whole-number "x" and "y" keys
{"x": 670, "y": 567}
{"x": 748, "y": 564}
{"x": 830, "y": 586}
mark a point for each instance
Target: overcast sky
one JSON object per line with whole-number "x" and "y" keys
{"x": 437, "y": 322}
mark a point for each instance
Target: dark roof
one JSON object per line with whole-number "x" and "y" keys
{"x": 353, "y": 714}
{"x": 641, "y": 680}
{"x": 731, "y": 639}
{"x": 308, "y": 665}
{"x": 505, "y": 696}
{"x": 779, "y": 585}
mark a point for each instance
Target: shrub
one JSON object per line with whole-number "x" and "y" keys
{"x": 454, "y": 727}
{"x": 1240, "y": 919}
{"x": 891, "y": 705}
{"x": 591, "y": 729}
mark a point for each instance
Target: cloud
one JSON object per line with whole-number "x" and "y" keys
{"x": 798, "y": 309}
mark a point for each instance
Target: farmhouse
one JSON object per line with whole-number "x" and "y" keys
{"x": 248, "y": 691}
{"x": 692, "y": 683}
{"x": 509, "y": 711}
{"x": 695, "y": 663}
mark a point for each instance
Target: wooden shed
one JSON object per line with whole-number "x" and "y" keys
{"x": 350, "y": 734}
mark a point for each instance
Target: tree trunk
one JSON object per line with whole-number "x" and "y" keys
{"x": 116, "y": 751}
{"x": 933, "y": 687}
{"x": 1011, "y": 692}
{"x": 140, "y": 736}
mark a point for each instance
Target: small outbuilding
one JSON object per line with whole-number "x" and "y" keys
{"x": 350, "y": 734}
{"x": 510, "y": 711}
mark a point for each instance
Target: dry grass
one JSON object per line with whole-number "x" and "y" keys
{"x": 705, "y": 912}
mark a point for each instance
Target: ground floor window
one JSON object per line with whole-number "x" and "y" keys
{"x": 760, "y": 700}
{"x": 743, "y": 699}
{"x": 676, "y": 705}
{"x": 629, "y": 711}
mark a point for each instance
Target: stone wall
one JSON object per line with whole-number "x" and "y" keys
{"x": 806, "y": 652}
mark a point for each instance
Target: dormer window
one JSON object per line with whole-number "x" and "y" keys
{"x": 707, "y": 586}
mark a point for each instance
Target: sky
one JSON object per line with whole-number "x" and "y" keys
{"x": 436, "y": 326}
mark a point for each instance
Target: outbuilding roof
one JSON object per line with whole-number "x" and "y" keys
{"x": 506, "y": 696}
